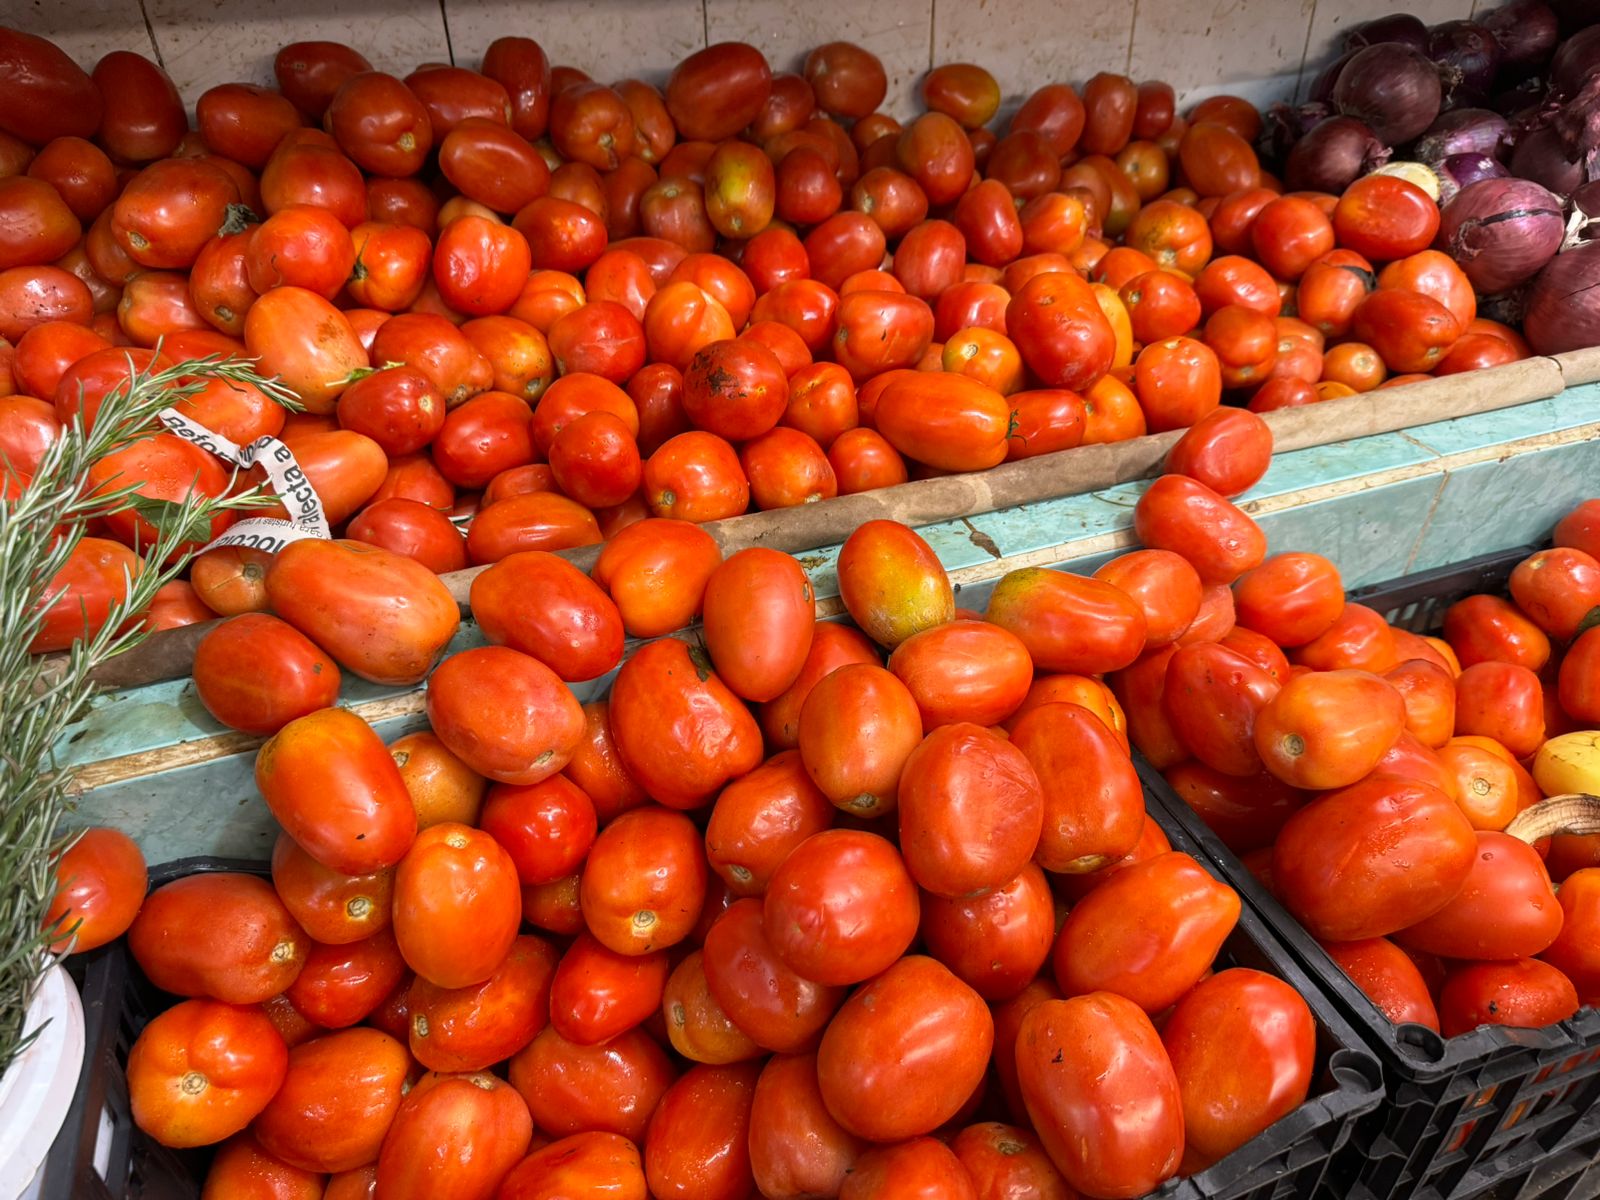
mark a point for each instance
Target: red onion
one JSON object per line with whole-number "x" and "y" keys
{"x": 1573, "y": 15}
{"x": 1541, "y": 157}
{"x": 1464, "y": 131}
{"x": 1501, "y": 231}
{"x": 1332, "y": 156}
{"x": 1397, "y": 28}
{"x": 1578, "y": 58}
{"x": 1463, "y": 170}
{"x": 1322, "y": 86}
{"x": 1564, "y": 302}
{"x": 1526, "y": 31}
{"x": 1578, "y": 126}
{"x": 1285, "y": 125}
{"x": 1468, "y": 57}
{"x": 1393, "y": 88}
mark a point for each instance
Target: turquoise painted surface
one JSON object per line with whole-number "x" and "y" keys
{"x": 1447, "y": 513}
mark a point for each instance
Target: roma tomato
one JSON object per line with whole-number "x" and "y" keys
{"x": 1006, "y": 1160}
{"x": 1372, "y": 859}
{"x": 1557, "y": 588}
{"x": 457, "y": 905}
{"x": 1411, "y": 331}
{"x": 201, "y": 1071}
{"x": 971, "y": 810}
{"x": 1573, "y": 952}
{"x": 337, "y": 1101}
{"x": 1245, "y": 812}
{"x": 1069, "y": 623}
{"x": 611, "y": 1088}
{"x": 1060, "y": 330}
{"x": 101, "y": 882}
{"x": 945, "y": 421}
{"x": 1328, "y": 729}
{"x": 1228, "y": 450}
{"x": 335, "y": 909}
{"x": 918, "y": 1169}
{"x": 891, "y": 582}
{"x": 1147, "y": 934}
{"x": 222, "y": 935}
{"x": 736, "y": 389}
{"x": 505, "y": 714}
{"x": 256, "y": 673}
{"x": 1486, "y": 628}
{"x": 343, "y": 984}
{"x": 330, "y": 782}
{"x": 454, "y": 1137}
{"x": 578, "y": 630}
{"x": 1085, "y": 1067}
{"x": 1161, "y": 583}
{"x": 385, "y": 617}
{"x": 1185, "y": 516}
{"x": 969, "y": 671}
{"x": 1096, "y": 818}
{"x": 766, "y": 1000}
{"x": 1389, "y": 978}
{"x": 1292, "y": 598}
{"x": 656, "y": 572}
{"x": 996, "y": 942}
{"x": 1243, "y": 1045}
{"x": 307, "y": 343}
{"x": 680, "y": 731}
{"x": 586, "y": 1164}
{"x": 1524, "y": 994}
{"x": 759, "y": 617}
{"x": 841, "y": 908}
{"x": 1502, "y": 701}
{"x": 1506, "y": 908}
{"x": 760, "y": 818}
{"x": 905, "y": 1052}
{"x": 644, "y": 881}
{"x": 857, "y": 728}
{"x": 696, "y": 477}
{"x": 797, "y": 1149}
{"x": 1213, "y": 699}
{"x": 546, "y": 827}
{"x": 878, "y": 332}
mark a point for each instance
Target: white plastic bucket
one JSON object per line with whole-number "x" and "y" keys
{"x": 37, "y": 1089}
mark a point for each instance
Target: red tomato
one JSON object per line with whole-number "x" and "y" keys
{"x": 1506, "y": 909}
{"x": 201, "y": 1071}
{"x": 504, "y": 713}
{"x": 1213, "y": 700}
{"x": 592, "y": 1163}
{"x": 1101, "y": 1093}
{"x": 1502, "y": 701}
{"x": 1556, "y": 588}
{"x": 995, "y": 943}
{"x": 1328, "y": 729}
{"x": 1069, "y": 623}
{"x": 256, "y": 673}
{"x": 759, "y": 614}
{"x": 765, "y": 999}
{"x": 1389, "y": 978}
{"x": 918, "y": 1169}
{"x": 1060, "y": 330}
{"x": 577, "y": 630}
{"x": 101, "y": 882}
{"x": 1523, "y": 994}
{"x": 930, "y": 1036}
{"x": 1372, "y": 859}
{"x": 796, "y": 1147}
{"x": 78, "y": 599}
{"x": 610, "y": 1089}
{"x": 1242, "y": 1045}
{"x": 1185, "y": 516}
{"x": 222, "y": 935}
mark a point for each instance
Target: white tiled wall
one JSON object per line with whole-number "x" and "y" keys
{"x": 1264, "y": 49}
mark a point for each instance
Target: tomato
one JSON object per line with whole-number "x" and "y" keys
{"x": 1242, "y": 1045}
{"x": 1292, "y": 598}
{"x": 1060, "y": 330}
{"x": 964, "y": 671}
{"x": 1524, "y": 994}
{"x": 905, "y": 1052}
{"x": 343, "y": 984}
{"x": 1430, "y": 698}
{"x": 480, "y": 266}
{"x": 918, "y": 1169}
{"x": 40, "y": 228}
{"x": 241, "y": 1168}
{"x": 610, "y": 1089}
{"x": 796, "y": 1147}
{"x": 1404, "y": 844}
{"x": 841, "y": 908}
{"x": 333, "y": 908}
{"x": 546, "y": 827}
{"x": 592, "y": 1163}
{"x": 1233, "y": 280}
{"x": 1502, "y": 701}
{"x": 519, "y": 65}
{"x": 935, "y": 151}
{"x": 1179, "y": 382}
{"x": 1328, "y": 729}
{"x": 78, "y": 599}
{"x": 1506, "y": 909}
{"x": 223, "y": 935}
{"x": 765, "y": 999}
{"x": 454, "y": 1137}
{"x": 598, "y": 993}
{"x": 397, "y": 407}
{"x": 380, "y": 615}
{"x": 1007, "y": 1160}
{"x": 47, "y": 95}
{"x": 759, "y": 818}
{"x": 1069, "y": 623}
{"x": 101, "y": 882}
{"x": 170, "y": 210}
{"x": 996, "y": 942}
{"x": 337, "y": 1101}
{"x": 309, "y": 73}
{"x": 759, "y": 613}
{"x": 878, "y": 332}
{"x": 716, "y": 92}
{"x": 644, "y": 881}
{"x": 697, "y": 1144}
{"x": 1557, "y": 588}
{"x": 1213, "y": 699}
{"x": 520, "y": 729}
{"x": 1412, "y": 332}
{"x": 943, "y": 420}
{"x": 656, "y": 573}
{"x": 857, "y": 728}
{"x": 1185, "y": 516}
{"x": 535, "y": 521}
{"x": 1434, "y": 274}
{"x": 863, "y": 459}
{"x": 455, "y": 879}
{"x": 257, "y": 673}
{"x": 306, "y": 342}
{"x": 1101, "y": 1093}
{"x": 1359, "y": 639}
{"x": 680, "y": 731}
{"x": 201, "y": 1071}
{"x": 561, "y": 235}
{"x": 971, "y": 809}
{"x": 736, "y": 389}
{"x": 1389, "y": 978}
{"x": 848, "y": 80}
{"x": 577, "y": 631}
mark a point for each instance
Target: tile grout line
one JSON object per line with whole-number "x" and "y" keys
{"x": 705, "y": 23}
{"x": 150, "y": 32}
{"x": 933, "y": 29}
{"x": 1427, "y": 522}
{"x": 1133, "y": 33}
{"x": 449, "y": 46}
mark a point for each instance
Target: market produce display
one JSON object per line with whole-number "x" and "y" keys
{"x": 522, "y": 300}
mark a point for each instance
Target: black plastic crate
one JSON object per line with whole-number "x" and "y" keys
{"x": 1466, "y": 1116}
{"x": 1289, "y": 1160}
{"x": 100, "y": 1154}
{"x": 1295, "y": 1158}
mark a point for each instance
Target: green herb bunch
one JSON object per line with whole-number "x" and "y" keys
{"x": 40, "y": 697}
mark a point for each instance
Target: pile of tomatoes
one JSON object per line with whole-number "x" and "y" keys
{"x": 562, "y": 306}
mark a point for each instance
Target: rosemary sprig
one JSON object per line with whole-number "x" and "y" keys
{"x": 40, "y": 698}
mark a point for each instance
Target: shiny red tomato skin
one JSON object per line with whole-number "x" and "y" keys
{"x": 577, "y": 630}
{"x": 930, "y": 1037}
{"x": 771, "y": 1004}
{"x": 1183, "y": 515}
{"x": 1524, "y": 993}
{"x": 1069, "y": 623}
{"x": 101, "y": 885}
{"x": 1101, "y": 1093}
{"x": 1506, "y": 908}
{"x": 697, "y": 1146}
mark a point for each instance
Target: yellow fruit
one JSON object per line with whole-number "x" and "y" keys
{"x": 1569, "y": 763}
